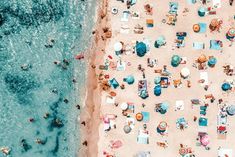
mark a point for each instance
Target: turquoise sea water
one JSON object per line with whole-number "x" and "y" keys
{"x": 26, "y": 29}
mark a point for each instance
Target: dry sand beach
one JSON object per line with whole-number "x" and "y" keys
{"x": 112, "y": 103}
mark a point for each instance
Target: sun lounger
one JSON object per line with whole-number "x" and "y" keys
{"x": 203, "y": 27}
{"x": 145, "y": 116}
{"x": 216, "y": 44}
{"x": 198, "y": 45}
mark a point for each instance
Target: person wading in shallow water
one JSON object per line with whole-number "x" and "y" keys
{"x": 231, "y": 2}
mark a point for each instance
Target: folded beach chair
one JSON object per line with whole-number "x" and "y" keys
{"x": 125, "y": 16}
{"x": 198, "y": 45}
{"x": 203, "y": 27}
{"x": 149, "y": 23}
{"x": 216, "y": 44}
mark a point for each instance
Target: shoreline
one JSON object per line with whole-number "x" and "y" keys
{"x": 90, "y": 110}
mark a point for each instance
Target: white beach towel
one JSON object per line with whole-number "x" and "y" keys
{"x": 217, "y": 3}
{"x": 179, "y": 105}
{"x": 121, "y": 66}
{"x": 110, "y": 100}
{"x": 125, "y": 16}
{"x": 222, "y": 152}
{"x": 204, "y": 76}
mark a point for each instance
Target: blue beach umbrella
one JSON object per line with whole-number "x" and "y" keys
{"x": 175, "y": 60}
{"x": 114, "y": 83}
{"x": 141, "y": 49}
{"x": 226, "y": 86}
{"x": 164, "y": 106}
{"x": 212, "y": 61}
{"x": 129, "y": 79}
{"x": 157, "y": 90}
{"x": 160, "y": 41}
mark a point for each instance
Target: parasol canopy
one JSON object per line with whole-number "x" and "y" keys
{"x": 164, "y": 106}
{"x": 157, "y": 80}
{"x": 212, "y": 61}
{"x": 139, "y": 116}
{"x": 175, "y": 60}
{"x": 157, "y": 90}
{"x": 162, "y": 127}
{"x": 127, "y": 129}
{"x": 141, "y": 49}
{"x": 185, "y": 72}
{"x": 196, "y": 28}
{"x": 129, "y": 79}
{"x": 118, "y": 46}
{"x": 231, "y": 110}
{"x": 226, "y": 86}
{"x": 231, "y": 32}
{"x": 205, "y": 140}
{"x": 201, "y": 11}
{"x": 143, "y": 94}
{"x": 202, "y": 59}
{"x": 124, "y": 106}
{"x": 160, "y": 41}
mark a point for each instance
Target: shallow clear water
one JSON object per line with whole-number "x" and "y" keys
{"x": 26, "y": 26}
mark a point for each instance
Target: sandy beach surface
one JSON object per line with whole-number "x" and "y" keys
{"x": 100, "y": 141}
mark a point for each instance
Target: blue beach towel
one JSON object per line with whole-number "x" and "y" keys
{"x": 202, "y": 27}
{"x": 145, "y": 116}
{"x": 215, "y": 45}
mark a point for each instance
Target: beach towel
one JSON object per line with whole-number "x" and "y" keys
{"x": 203, "y": 27}
{"x": 216, "y": 44}
{"x": 110, "y": 100}
{"x": 217, "y": 3}
{"x": 145, "y": 116}
{"x": 143, "y": 154}
{"x": 121, "y": 66}
{"x": 198, "y": 45}
{"x": 204, "y": 76}
{"x": 179, "y": 105}
{"x": 149, "y": 23}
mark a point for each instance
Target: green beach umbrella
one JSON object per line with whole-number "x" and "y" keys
{"x": 141, "y": 49}
{"x": 175, "y": 60}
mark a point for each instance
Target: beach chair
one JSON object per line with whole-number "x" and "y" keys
{"x": 198, "y": 45}
{"x": 216, "y": 44}
{"x": 149, "y": 23}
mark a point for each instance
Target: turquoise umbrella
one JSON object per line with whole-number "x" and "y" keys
{"x": 231, "y": 110}
{"x": 144, "y": 94}
{"x": 201, "y": 11}
{"x": 141, "y": 49}
{"x": 157, "y": 90}
{"x": 226, "y": 86}
{"x": 157, "y": 80}
{"x": 212, "y": 61}
{"x": 164, "y": 106}
{"x": 175, "y": 60}
{"x": 160, "y": 41}
{"x": 129, "y": 79}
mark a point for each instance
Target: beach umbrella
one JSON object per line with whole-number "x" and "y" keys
{"x": 185, "y": 72}
{"x": 114, "y": 83}
{"x": 175, "y": 60}
{"x": 129, "y": 79}
{"x": 160, "y": 41}
{"x": 157, "y": 90}
{"x": 231, "y": 32}
{"x": 205, "y": 140}
{"x": 127, "y": 129}
{"x": 201, "y": 11}
{"x": 124, "y": 106}
{"x": 141, "y": 49}
{"x": 231, "y": 110}
{"x": 164, "y": 106}
{"x": 196, "y": 28}
{"x": 139, "y": 116}
{"x": 157, "y": 80}
{"x": 143, "y": 94}
{"x": 212, "y": 61}
{"x": 226, "y": 86}
{"x": 162, "y": 127}
{"x": 118, "y": 46}
{"x": 202, "y": 59}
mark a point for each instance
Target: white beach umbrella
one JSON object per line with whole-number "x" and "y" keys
{"x": 118, "y": 46}
{"x": 124, "y": 106}
{"x": 185, "y": 72}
